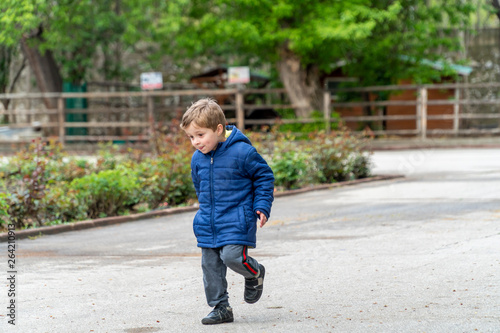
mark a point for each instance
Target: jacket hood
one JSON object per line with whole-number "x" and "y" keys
{"x": 235, "y": 136}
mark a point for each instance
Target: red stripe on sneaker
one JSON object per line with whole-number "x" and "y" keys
{"x": 245, "y": 261}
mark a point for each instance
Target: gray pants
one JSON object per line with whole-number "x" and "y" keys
{"x": 214, "y": 263}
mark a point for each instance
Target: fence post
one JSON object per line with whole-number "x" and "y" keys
{"x": 326, "y": 111}
{"x": 151, "y": 120}
{"x": 60, "y": 120}
{"x": 456, "y": 111}
{"x": 240, "y": 113}
{"x": 419, "y": 112}
{"x": 423, "y": 113}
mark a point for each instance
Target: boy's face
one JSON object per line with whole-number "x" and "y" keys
{"x": 204, "y": 139}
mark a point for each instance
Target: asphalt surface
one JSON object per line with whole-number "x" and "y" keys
{"x": 419, "y": 254}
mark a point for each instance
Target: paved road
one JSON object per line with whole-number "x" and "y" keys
{"x": 419, "y": 254}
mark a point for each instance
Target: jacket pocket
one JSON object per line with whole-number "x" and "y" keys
{"x": 243, "y": 223}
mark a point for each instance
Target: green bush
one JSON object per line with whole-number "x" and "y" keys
{"x": 108, "y": 192}
{"x": 165, "y": 180}
{"x": 42, "y": 185}
{"x": 290, "y": 168}
{"x": 339, "y": 157}
{"x": 292, "y": 162}
{"x": 4, "y": 210}
{"x": 108, "y": 156}
{"x": 61, "y": 204}
{"x": 58, "y": 166}
{"x": 24, "y": 199}
{"x": 361, "y": 165}
{"x": 333, "y": 165}
{"x": 303, "y": 130}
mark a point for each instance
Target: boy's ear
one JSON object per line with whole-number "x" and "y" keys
{"x": 220, "y": 129}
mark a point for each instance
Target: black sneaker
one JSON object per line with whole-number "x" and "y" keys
{"x": 254, "y": 286}
{"x": 222, "y": 313}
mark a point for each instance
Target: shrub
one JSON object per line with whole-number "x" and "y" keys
{"x": 106, "y": 193}
{"x": 61, "y": 204}
{"x": 361, "y": 165}
{"x": 24, "y": 201}
{"x": 290, "y": 167}
{"x": 291, "y": 162}
{"x": 165, "y": 180}
{"x": 303, "y": 130}
{"x": 338, "y": 155}
{"x": 44, "y": 186}
{"x": 108, "y": 156}
{"x": 4, "y": 210}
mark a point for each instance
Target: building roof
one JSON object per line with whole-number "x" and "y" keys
{"x": 440, "y": 65}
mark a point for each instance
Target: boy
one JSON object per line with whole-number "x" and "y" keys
{"x": 234, "y": 186}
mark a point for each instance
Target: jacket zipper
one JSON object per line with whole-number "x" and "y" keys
{"x": 212, "y": 222}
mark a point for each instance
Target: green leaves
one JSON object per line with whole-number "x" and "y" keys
{"x": 369, "y": 35}
{"x": 18, "y": 17}
{"x": 106, "y": 193}
{"x": 411, "y": 28}
{"x": 290, "y": 167}
{"x": 46, "y": 187}
{"x": 323, "y": 158}
{"x": 4, "y": 209}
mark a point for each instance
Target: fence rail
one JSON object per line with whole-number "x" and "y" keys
{"x": 422, "y": 103}
{"x": 140, "y": 112}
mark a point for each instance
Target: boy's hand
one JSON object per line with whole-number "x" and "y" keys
{"x": 262, "y": 217}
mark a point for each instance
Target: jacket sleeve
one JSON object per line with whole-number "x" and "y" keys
{"x": 263, "y": 182}
{"x": 195, "y": 178}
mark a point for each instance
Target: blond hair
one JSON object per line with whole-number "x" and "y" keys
{"x": 204, "y": 113}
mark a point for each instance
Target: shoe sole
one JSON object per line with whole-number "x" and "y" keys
{"x": 230, "y": 320}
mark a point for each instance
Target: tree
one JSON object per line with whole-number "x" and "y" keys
{"x": 302, "y": 38}
{"x": 19, "y": 25}
{"x": 400, "y": 49}
{"x": 496, "y": 6}
{"x": 75, "y": 32}
{"x": 72, "y": 40}
{"x": 423, "y": 30}
{"x": 305, "y": 38}
{"x": 7, "y": 54}
{"x": 61, "y": 38}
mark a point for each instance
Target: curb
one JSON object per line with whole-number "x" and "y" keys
{"x": 73, "y": 226}
{"x": 81, "y": 225}
{"x": 435, "y": 143}
{"x": 430, "y": 146}
{"x": 334, "y": 185}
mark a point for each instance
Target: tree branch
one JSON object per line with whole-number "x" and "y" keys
{"x": 18, "y": 75}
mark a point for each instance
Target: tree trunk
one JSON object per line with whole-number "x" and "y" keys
{"x": 496, "y": 5}
{"x": 47, "y": 74}
{"x": 6, "y": 54}
{"x": 6, "y": 84}
{"x": 301, "y": 83}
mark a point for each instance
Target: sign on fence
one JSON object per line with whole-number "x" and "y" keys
{"x": 238, "y": 74}
{"x": 152, "y": 80}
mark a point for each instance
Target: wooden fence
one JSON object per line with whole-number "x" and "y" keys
{"x": 464, "y": 108}
{"x": 134, "y": 116}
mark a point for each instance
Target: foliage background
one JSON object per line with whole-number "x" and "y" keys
{"x": 43, "y": 185}
{"x": 118, "y": 39}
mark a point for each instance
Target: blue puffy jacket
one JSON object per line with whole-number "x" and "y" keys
{"x": 232, "y": 183}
